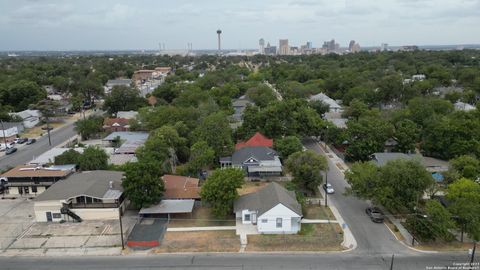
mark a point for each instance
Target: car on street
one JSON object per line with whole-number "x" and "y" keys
{"x": 21, "y": 140}
{"x": 31, "y": 141}
{"x": 328, "y": 188}
{"x": 10, "y": 150}
{"x": 47, "y": 128}
{"x": 375, "y": 214}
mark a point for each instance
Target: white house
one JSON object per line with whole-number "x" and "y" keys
{"x": 273, "y": 209}
{"x": 10, "y": 130}
{"x": 30, "y": 118}
{"x": 334, "y": 106}
{"x": 462, "y": 106}
{"x": 90, "y": 195}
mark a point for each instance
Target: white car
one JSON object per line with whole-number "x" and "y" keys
{"x": 328, "y": 188}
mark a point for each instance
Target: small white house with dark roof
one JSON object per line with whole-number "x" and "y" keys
{"x": 273, "y": 209}
{"x": 90, "y": 195}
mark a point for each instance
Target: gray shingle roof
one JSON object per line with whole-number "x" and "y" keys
{"x": 267, "y": 198}
{"x": 381, "y": 159}
{"x": 257, "y": 152}
{"x": 91, "y": 183}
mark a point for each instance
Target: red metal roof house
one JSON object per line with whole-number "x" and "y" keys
{"x": 256, "y": 140}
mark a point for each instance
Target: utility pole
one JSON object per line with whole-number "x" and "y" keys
{"x": 121, "y": 226}
{"x": 48, "y": 131}
{"x": 473, "y": 253}
{"x": 325, "y": 139}
{"x": 326, "y": 183}
{"x": 4, "y": 138}
{"x": 391, "y": 263}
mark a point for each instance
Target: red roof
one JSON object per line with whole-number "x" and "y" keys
{"x": 112, "y": 122}
{"x": 180, "y": 187}
{"x": 256, "y": 140}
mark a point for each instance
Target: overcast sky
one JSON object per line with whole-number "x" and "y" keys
{"x": 143, "y": 24}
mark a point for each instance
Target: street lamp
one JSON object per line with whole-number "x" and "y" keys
{"x": 326, "y": 183}
{"x": 325, "y": 139}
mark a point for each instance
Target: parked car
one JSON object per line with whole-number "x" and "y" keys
{"x": 375, "y": 214}
{"x": 21, "y": 140}
{"x": 10, "y": 150}
{"x": 328, "y": 188}
{"x": 4, "y": 146}
{"x": 31, "y": 141}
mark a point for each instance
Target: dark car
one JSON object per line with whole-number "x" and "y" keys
{"x": 31, "y": 141}
{"x": 47, "y": 128}
{"x": 10, "y": 150}
{"x": 22, "y": 140}
{"x": 375, "y": 214}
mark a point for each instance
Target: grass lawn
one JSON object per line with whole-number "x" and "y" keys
{"x": 250, "y": 187}
{"x": 205, "y": 241}
{"x": 37, "y": 131}
{"x": 312, "y": 237}
{"x": 200, "y": 217}
{"x": 317, "y": 212}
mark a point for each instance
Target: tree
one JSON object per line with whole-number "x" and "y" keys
{"x": 440, "y": 220}
{"x": 406, "y": 135}
{"x": 306, "y": 168}
{"x": 261, "y": 95}
{"x": 215, "y": 130}
{"x": 201, "y": 156}
{"x": 47, "y": 109}
{"x": 319, "y": 106}
{"x": 220, "y": 190}
{"x": 90, "y": 127}
{"x": 356, "y": 109}
{"x": 466, "y": 166}
{"x": 68, "y": 157}
{"x": 366, "y": 136}
{"x": 398, "y": 185}
{"x": 20, "y": 95}
{"x": 464, "y": 197}
{"x": 143, "y": 184}
{"x": 123, "y": 98}
{"x": 287, "y": 146}
{"x": 93, "y": 158}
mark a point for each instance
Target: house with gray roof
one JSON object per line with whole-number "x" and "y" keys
{"x": 116, "y": 82}
{"x": 90, "y": 195}
{"x": 256, "y": 161}
{"x": 272, "y": 209}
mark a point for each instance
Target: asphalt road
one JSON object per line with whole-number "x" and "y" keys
{"x": 372, "y": 238}
{"x": 239, "y": 261}
{"x": 29, "y": 152}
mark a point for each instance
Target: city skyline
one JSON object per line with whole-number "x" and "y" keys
{"x": 119, "y": 25}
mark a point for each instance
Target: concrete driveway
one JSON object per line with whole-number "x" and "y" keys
{"x": 372, "y": 238}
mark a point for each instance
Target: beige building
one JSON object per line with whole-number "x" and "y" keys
{"x": 32, "y": 180}
{"x": 283, "y": 48}
{"x": 91, "y": 195}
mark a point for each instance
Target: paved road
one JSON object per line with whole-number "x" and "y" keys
{"x": 372, "y": 238}
{"x": 237, "y": 261}
{"x": 28, "y": 152}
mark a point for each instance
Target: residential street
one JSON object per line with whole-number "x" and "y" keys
{"x": 28, "y": 152}
{"x": 372, "y": 238}
{"x": 238, "y": 261}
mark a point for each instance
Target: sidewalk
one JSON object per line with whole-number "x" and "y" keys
{"x": 318, "y": 221}
{"x": 196, "y": 229}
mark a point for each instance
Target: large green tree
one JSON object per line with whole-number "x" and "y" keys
{"x": 464, "y": 197}
{"x": 68, "y": 157}
{"x": 143, "y": 184}
{"x": 90, "y": 127}
{"x": 201, "y": 156}
{"x": 398, "y": 185}
{"x": 466, "y": 166}
{"x": 406, "y": 135}
{"x": 123, "y": 98}
{"x": 306, "y": 168}
{"x": 287, "y": 146}
{"x": 215, "y": 130}
{"x": 93, "y": 158}
{"x": 220, "y": 190}
{"x": 366, "y": 136}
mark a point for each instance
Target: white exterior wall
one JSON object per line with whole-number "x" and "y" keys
{"x": 14, "y": 191}
{"x": 9, "y": 132}
{"x": 279, "y": 211}
{"x": 42, "y": 207}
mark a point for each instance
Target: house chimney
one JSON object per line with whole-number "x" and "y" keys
{"x": 111, "y": 184}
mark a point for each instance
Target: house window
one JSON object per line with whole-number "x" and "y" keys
{"x": 34, "y": 189}
{"x": 26, "y": 190}
{"x": 279, "y": 222}
{"x": 247, "y": 217}
{"x": 57, "y": 215}
{"x": 264, "y": 220}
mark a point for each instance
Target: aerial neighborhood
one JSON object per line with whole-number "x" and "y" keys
{"x": 115, "y": 154}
